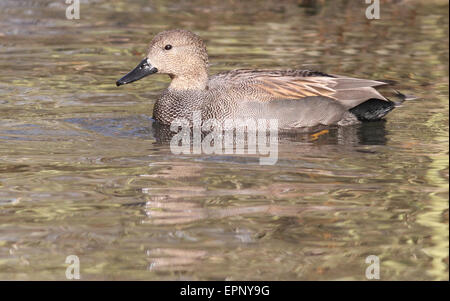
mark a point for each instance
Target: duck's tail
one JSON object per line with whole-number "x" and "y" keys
{"x": 372, "y": 109}
{"x": 375, "y": 109}
{"x": 394, "y": 95}
{"x": 400, "y": 97}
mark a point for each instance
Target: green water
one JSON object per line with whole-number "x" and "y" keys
{"x": 81, "y": 172}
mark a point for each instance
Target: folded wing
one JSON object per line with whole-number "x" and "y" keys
{"x": 273, "y": 85}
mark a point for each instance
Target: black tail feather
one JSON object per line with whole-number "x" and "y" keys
{"x": 373, "y": 109}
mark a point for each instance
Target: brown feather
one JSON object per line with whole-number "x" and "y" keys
{"x": 272, "y": 85}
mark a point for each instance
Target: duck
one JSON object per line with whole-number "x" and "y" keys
{"x": 295, "y": 98}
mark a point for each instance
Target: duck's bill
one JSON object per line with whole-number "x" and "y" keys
{"x": 142, "y": 70}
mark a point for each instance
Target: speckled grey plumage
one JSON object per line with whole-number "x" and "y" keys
{"x": 224, "y": 101}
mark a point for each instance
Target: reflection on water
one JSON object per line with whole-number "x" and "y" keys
{"x": 364, "y": 133}
{"x": 84, "y": 171}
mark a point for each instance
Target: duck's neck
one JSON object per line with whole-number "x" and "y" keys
{"x": 191, "y": 81}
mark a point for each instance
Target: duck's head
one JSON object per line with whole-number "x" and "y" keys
{"x": 179, "y": 53}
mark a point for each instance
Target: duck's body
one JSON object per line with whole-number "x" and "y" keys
{"x": 297, "y": 98}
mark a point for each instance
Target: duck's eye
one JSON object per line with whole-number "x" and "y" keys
{"x": 168, "y": 47}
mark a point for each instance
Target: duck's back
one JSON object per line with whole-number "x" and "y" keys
{"x": 272, "y": 85}
{"x": 297, "y": 98}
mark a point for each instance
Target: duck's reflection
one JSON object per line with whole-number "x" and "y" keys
{"x": 178, "y": 212}
{"x": 367, "y": 133}
{"x": 173, "y": 258}
{"x": 142, "y": 126}
{"x": 183, "y": 205}
{"x": 178, "y": 207}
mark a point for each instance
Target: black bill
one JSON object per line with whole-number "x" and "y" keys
{"x": 141, "y": 71}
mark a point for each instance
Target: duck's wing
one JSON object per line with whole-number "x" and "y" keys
{"x": 272, "y": 85}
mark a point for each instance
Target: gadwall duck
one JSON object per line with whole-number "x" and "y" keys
{"x": 297, "y": 98}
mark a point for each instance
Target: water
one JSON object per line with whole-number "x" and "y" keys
{"x": 82, "y": 172}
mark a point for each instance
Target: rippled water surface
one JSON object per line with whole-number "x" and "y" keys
{"x": 82, "y": 172}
